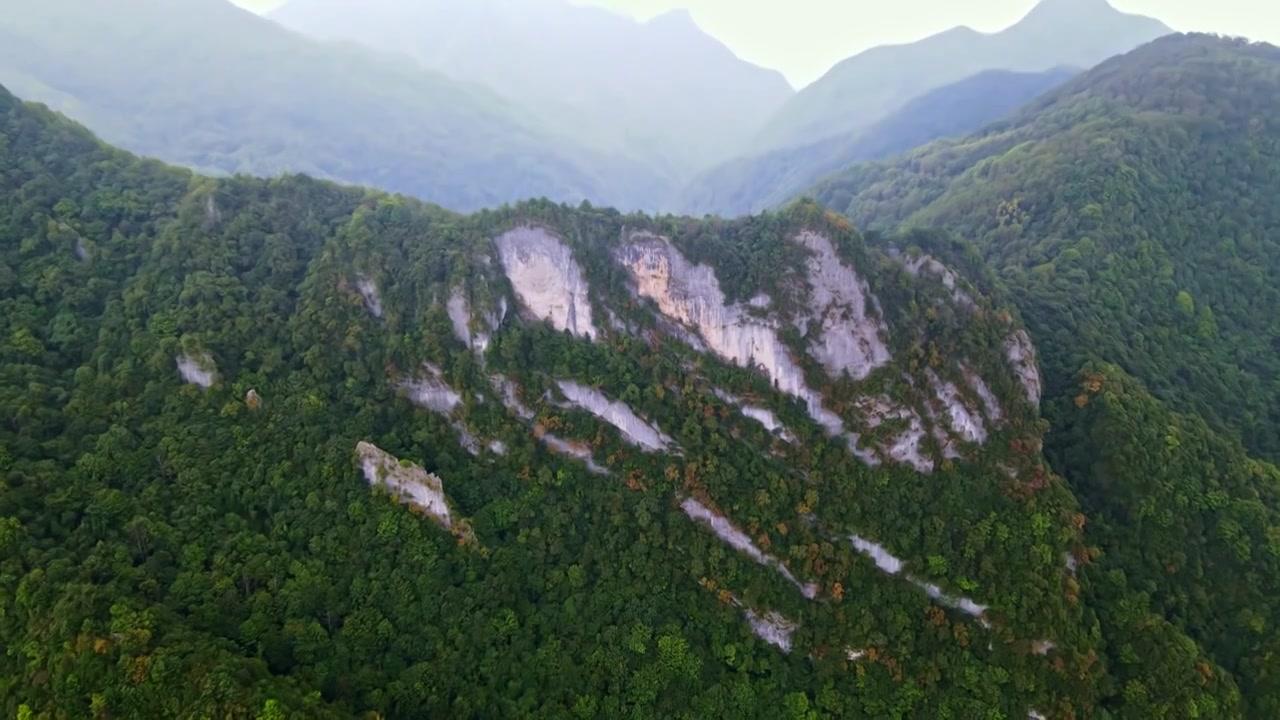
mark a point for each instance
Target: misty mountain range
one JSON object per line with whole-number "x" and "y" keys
{"x": 461, "y": 104}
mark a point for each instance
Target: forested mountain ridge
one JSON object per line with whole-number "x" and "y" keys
{"x": 678, "y": 468}
{"x": 210, "y": 86}
{"x": 865, "y": 88}
{"x": 763, "y": 182}
{"x": 662, "y": 91}
{"x": 1131, "y": 216}
{"x": 1131, "y": 209}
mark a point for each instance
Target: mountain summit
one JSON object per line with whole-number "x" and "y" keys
{"x": 662, "y": 91}
{"x": 867, "y": 87}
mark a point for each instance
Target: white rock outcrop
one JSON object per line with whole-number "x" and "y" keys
{"x": 894, "y": 566}
{"x": 510, "y": 398}
{"x": 848, "y": 339}
{"x": 408, "y": 482}
{"x": 989, "y": 402}
{"x": 617, "y": 414}
{"x": 927, "y": 265}
{"x": 564, "y": 447}
{"x": 459, "y": 315}
{"x": 771, "y": 627}
{"x": 1021, "y": 355}
{"x": 691, "y": 294}
{"x": 761, "y": 415}
{"x": 726, "y": 531}
{"x": 431, "y": 392}
{"x": 197, "y": 369}
{"x": 547, "y": 279}
{"x": 965, "y": 422}
{"x": 459, "y": 309}
{"x": 369, "y": 292}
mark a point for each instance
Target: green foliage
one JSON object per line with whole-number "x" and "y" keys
{"x": 1187, "y": 516}
{"x": 166, "y": 552}
{"x": 1130, "y": 217}
{"x": 1132, "y": 213}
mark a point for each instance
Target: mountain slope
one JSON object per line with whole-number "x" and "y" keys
{"x": 661, "y": 468}
{"x": 663, "y": 91}
{"x": 1177, "y": 504}
{"x": 205, "y": 84}
{"x": 751, "y": 184}
{"x": 1133, "y": 212}
{"x": 865, "y": 88}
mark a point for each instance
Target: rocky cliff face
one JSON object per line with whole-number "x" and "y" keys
{"x": 833, "y": 356}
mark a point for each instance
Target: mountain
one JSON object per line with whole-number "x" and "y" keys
{"x": 865, "y": 88}
{"x": 1150, "y": 176}
{"x": 619, "y": 465}
{"x": 1132, "y": 214}
{"x": 760, "y": 182}
{"x": 661, "y": 91}
{"x": 208, "y": 85}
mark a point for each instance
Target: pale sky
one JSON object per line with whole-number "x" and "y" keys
{"x": 804, "y": 38}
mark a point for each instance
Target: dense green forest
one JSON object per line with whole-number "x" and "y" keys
{"x": 210, "y": 548}
{"x": 1130, "y": 218}
{"x": 1133, "y": 213}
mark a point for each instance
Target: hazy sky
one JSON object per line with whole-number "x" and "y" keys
{"x": 803, "y": 38}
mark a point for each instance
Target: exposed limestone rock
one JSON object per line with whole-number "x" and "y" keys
{"x": 616, "y": 414}
{"x": 926, "y": 264}
{"x": 198, "y": 370}
{"x": 469, "y": 442}
{"x": 726, "y": 531}
{"x": 81, "y": 251}
{"x": 1021, "y": 354}
{"x": 547, "y": 279}
{"x": 459, "y": 310}
{"x": 882, "y": 557}
{"x": 988, "y": 398}
{"x": 431, "y": 391}
{"x": 759, "y": 414}
{"x": 369, "y": 291}
{"x": 460, "y": 315}
{"x": 510, "y": 399}
{"x": 906, "y": 447}
{"x": 212, "y": 213}
{"x": 691, "y": 294}
{"x": 848, "y": 338}
{"x": 497, "y": 447}
{"x": 406, "y": 481}
{"x": 965, "y": 422}
{"x": 945, "y": 440}
{"x": 893, "y": 566}
{"x": 772, "y": 627}
{"x": 577, "y": 450}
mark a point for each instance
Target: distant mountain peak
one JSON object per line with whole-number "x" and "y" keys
{"x": 677, "y": 17}
{"x": 1073, "y": 11}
